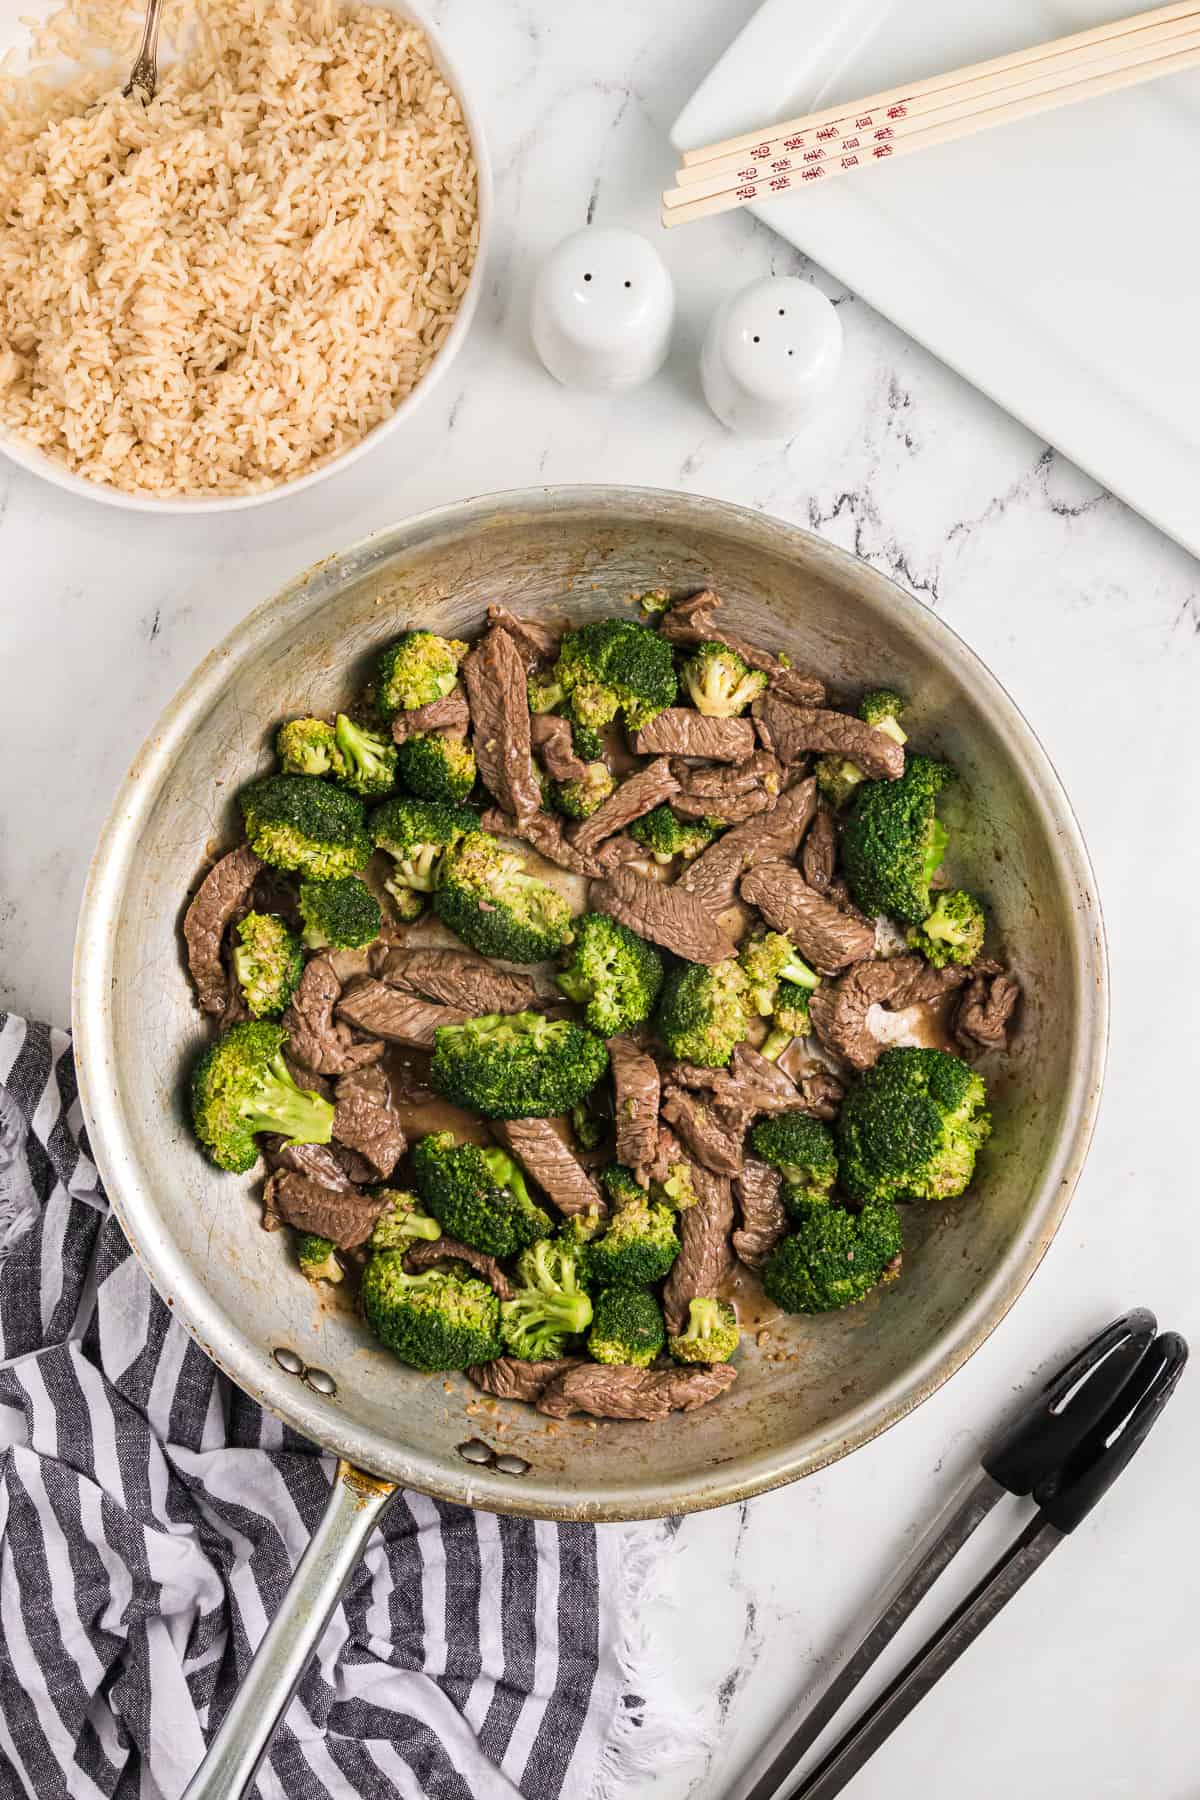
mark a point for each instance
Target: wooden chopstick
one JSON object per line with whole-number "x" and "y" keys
{"x": 996, "y": 65}
{"x": 844, "y": 164}
{"x": 785, "y": 148}
{"x": 936, "y": 110}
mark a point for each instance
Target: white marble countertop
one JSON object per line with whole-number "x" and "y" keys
{"x": 1086, "y": 1687}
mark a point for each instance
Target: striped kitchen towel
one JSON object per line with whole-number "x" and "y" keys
{"x": 150, "y": 1516}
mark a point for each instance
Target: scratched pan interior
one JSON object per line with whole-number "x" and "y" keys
{"x": 582, "y": 551}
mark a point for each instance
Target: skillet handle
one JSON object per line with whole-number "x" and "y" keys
{"x": 357, "y": 1503}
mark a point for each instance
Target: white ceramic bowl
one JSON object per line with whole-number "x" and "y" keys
{"x": 26, "y": 456}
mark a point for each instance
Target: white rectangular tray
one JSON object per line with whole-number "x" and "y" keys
{"x": 1060, "y": 278}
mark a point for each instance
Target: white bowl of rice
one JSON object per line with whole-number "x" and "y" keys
{"x": 224, "y": 297}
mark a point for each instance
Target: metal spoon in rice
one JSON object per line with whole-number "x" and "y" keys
{"x": 143, "y": 77}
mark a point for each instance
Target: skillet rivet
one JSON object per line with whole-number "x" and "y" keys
{"x": 512, "y": 1465}
{"x": 289, "y": 1362}
{"x": 321, "y": 1381}
{"x": 475, "y": 1451}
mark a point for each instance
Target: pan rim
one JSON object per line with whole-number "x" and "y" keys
{"x": 320, "y": 1418}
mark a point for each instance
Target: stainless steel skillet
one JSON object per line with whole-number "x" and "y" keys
{"x": 826, "y": 1385}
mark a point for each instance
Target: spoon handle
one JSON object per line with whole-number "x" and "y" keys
{"x": 143, "y": 77}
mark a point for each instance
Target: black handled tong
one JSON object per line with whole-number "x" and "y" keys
{"x": 1065, "y": 1449}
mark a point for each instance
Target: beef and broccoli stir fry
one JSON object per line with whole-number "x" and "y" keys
{"x": 549, "y": 982}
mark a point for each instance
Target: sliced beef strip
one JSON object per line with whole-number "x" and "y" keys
{"x": 386, "y": 1012}
{"x": 343, "y": 1215}
{"x": 678, "y": 731}
{"x": 618, "y": 1392}
{"x": 638, "y": 794}
{"x": 636, "y": 1082}
{"x": 315, "y": 1040}
{"x": 669, "y": 916}
{"x": 710, "y": 1136}
{"x": 222, "y": 892}
{"x": 818, "y": 858}
{"x": 693, "y": 621}
{"x": 668, "y": 1151}
{"x": 431, "y": 1251}
{"x": 508, "y": 1378}
{"x": 317, "y": 1162}
{"x": 551, "y": 738}
{"x": 705, "y": 1258}
{"x": 455, "y": 978}
{"x": 713, "y": 877}
{"x": 542, "y": 1154}
{"x": 821, "y": 1093}
{"x": 703, "y": 781}
{"x": 792, "y": 731}
{"x": 839, "y": 1008}
{"x": 450, "y": 714}
{"x": 751, "y": 1084}
{"x": 733, "y": 809}
{"x": 545, "y": 834}
{"x": 499, "y": 697}
{"x": 365, "y": 1121}
{"x": 825, "y": 936}
{"x": 983, "y": 1016}
{"x": 764, "y": 1220}
{"x": 537, "y": 641}
{"x": 619, "y": 849}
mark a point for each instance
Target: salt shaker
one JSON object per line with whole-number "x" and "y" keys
{"x": 603, "y": 306}
{"x": 770, "y": 357}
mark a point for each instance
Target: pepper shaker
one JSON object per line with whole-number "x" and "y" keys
{"x": 771, "y": 356}
{"x": 603, "y": 307}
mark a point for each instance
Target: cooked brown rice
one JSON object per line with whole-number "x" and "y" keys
{"x": 218, "y": 292}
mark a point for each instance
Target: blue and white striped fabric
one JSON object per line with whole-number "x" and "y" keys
{"x": 150, "y": 1516}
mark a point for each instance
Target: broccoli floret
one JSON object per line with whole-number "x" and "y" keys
{"x": 893, "y": 841}
{"x": 516, "y": 1065}
{"x": 666, "y": 836}
{"x": 416, "y": 834}
{"x": 616, "y": 665}
{"x": 436, "y": 766}
{"x": 589, "y": 1126}
{"x": 550, "y": 1304}
{"x": 267, "y": 962}
{"x": 438, "y": 1320}
{"x": 485, "y": 895}
{"x": 586, "y": 741}
{"x": 882, "y": 709}
{"x": 627, "y": 1329}
{"x": 580, "y": 799}
{"x": 803, "y": 1151}
{"x": 790, "y": 1020}
{"x": 545, "y": 693}
{"x": 296, "y": 823}
{"x": 305, "y": 747}
{"x": 702, "y": 1014}
{"x": 711, "y": 1334}
{"x": 721, "y": 683}
{"x": 838, "y": 779}
{"x": 241, "y": 1086}
{"x": 416, "y": 670}
{"x": 318, "y": 1259}
{"x": 953, "y": 932}
{"x": 837, "y": 776}
{"x": 339, "y": 915}
{"x": 407, "y": 904}
{"x": 401, "y": 1223}
{"x": 579, "y": 1230}
{"x": 622, "y": 1186}
{"x": 363, "y": 761}
{"x": 767, "y": 961}
{"x": 611, "y": 972}
{"x": 478, "y": 1196}
{"x": 910, "y": 1127}
{"x": 834, "y": 1258}
{"x": 676, "y": 1189}
{"x": 637, "y": 1248}
{"x": 654, "y": 603}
